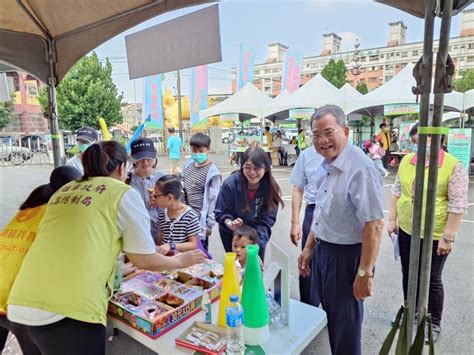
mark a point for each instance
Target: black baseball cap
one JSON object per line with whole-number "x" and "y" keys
{"x": 143, "y": 148}
{"x": 87, "y": 133}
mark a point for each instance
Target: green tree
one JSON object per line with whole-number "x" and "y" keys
{"x": 86, "y": 93}
{"x": 465, "y": 81}
{"x": 6, "y": 113}
{"x": 335, "y": 72}
{"x": 362, "y": 88}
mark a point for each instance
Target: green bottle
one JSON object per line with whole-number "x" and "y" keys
{"x": 254, "y": 301}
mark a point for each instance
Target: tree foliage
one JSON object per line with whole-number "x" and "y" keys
{"x": 86, "y": 93}
{"x": 362, "y": 88}
{"x": 6, "y": 112}
{"x": 335, "y": 72}
{"x": 465, "y": 81}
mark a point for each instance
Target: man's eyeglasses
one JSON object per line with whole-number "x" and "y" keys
{"x": 328, "y": 134}
{"x": 157, "y": 195}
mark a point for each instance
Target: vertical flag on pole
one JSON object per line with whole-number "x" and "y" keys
{"x": 246, "y": 62}
{"x": 198, "y": 93}
{"x": 152, "y": 101}
{"x": 292, "y": 71}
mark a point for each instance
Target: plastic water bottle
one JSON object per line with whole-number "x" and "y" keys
{"x": 206, "y": 308}
{"x": 277, "y": 316}
{"x": 119, "y": 266}
{"x": 235, "y": 327}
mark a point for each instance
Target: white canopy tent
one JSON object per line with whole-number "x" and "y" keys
{"x": 315, "y": 93}
{"x": 398, "y": 90}
{"x": 268, "y": 111}
{"x": 469, "y": 101}
{"x": 349, "y": 91}
{"x": 248, "y": 101}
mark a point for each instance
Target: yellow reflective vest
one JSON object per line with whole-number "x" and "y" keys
{"x": 406, "y": 174}
{"x": 69, "y": 269}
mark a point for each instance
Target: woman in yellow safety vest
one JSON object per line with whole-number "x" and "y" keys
{"x": 451, "y": 203}
{"x": 18, "y": 235}
{"x": 60, "y": 295}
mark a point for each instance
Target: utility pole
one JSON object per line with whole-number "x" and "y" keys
{"x": 180, "y": 115}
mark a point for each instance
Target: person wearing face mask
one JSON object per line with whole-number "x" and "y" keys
{"x": 201, "y": 184}
{"x": 59, "y": 297}
{"x": 85, "y": 136}
{"x": 451, "y": 204}
{"x": 144, "y": 176}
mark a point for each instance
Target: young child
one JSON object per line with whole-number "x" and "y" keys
{"x": 201, "y": 184}
{"x": 177, "y": 224}
{"x": 376, "y": 153}
{"x": 144, "y": 175}
{"x": 243, "y": 236}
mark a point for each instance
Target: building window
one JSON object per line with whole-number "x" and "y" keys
{"x": 470, "y": 46}
{"x": 275, "y": 70}
{"x": 404, "y": 54}
{"x": 373, "y": 79}
{"x": 363, "y": 59}
{"x": 32, "y": 90}
{"x": 267, "y": 71}
{"x": 374, "y": 57}
{"x": 470, "y": 59}
{"x": 391, "y": 54}
{"x": 414, "y": 53}
{"x": 388, "y": 77}
{"x": 382, "y": 56}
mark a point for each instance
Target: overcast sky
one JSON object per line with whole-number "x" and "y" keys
{"x": 297, "y": 24}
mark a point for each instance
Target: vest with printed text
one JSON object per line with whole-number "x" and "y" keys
{"x": 69, "y": 269}
{"x": 15, "y": 241}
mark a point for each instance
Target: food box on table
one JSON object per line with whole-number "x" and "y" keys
{"x": 205, "y": 338}
{"x": 154, "y": 303}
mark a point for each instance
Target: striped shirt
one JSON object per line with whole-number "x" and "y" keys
{"x": 180, "y": 229}
{"x": 194, "y": 183}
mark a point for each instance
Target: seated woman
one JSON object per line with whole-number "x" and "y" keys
{"x": 249, "y": 196}
{"x": 177, "y": 224}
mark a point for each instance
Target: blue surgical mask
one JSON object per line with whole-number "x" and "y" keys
{"x": 83, "y": 146}
{"x": 199, "y": 157}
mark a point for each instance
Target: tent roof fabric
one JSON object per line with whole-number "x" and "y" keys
{"x": 469, "y": 99}
{"x": 80, "y": 27}
{"x": 315, "y": 93}
{"x": 349, "y": 91}
{"x": 417, "y": 7}
{"x": 248, "y": 100}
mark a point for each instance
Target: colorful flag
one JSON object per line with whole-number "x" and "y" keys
{"x": 246, "y": 62}
{"x": 152, "y": 101}
{"x": 198, "y": 93}
{"x": 292, "y": 71}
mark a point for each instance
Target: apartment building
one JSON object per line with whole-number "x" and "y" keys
{"x": 377, "y": 65}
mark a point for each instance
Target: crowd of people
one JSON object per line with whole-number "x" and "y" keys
{"x": 54, "y": 296}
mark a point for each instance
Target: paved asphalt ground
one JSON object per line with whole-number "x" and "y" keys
{"x": 457, "y": 335}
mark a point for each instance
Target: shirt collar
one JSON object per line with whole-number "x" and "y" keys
{"x": 440, "y": 158}
{"x": 340, "y": 162}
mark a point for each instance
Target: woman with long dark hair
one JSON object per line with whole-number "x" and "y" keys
{"x": 250, "y": 196}
{"x": 18, "y": 235}
{"x": 60, "y": 295}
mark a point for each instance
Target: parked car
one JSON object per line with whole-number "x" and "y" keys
{"x": 14, "y": 154}
{"x": 8, "y": 140}
{"x": 36, "y": 143}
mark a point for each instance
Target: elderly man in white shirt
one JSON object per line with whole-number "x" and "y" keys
{"x": 346, "y": 229}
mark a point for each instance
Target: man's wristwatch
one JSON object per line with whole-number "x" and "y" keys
{"x": 448, "y": 239}
{"x": 172, "y": 246}
{"x": 362, "y": 273}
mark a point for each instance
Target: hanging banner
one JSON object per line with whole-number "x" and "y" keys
{"x": 152, "y": 102}
{"x": 459, "y": 145}
{"x": 229, "y": 117}
{"x": 198, "y": 93}
{"x": 400, "y": 109}
{"x": 292, "y": 71}
{"x": 404, "y": 136}
{"x": 300, "y": 113}
{"x": 246, "y": 62}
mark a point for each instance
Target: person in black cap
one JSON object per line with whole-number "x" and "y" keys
{"x": 85, "y": 136}
{"x": 144, "y": 175}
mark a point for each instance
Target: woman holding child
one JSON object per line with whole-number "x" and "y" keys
{"x": 250, "y": 196}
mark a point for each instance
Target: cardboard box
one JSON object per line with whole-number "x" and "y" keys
{"x": 190, "y": 338}
{"x": 153, "y": 303}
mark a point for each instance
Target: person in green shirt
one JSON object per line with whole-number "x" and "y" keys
{"x": 300, "y": 142}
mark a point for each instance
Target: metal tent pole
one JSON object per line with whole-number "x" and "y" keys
{"x": 52, "y": 114}
{"x": 426, "y": 74}
{"x": 441, "y": 86}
